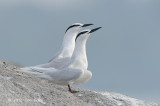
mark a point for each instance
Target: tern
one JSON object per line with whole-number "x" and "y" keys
{"x": 63, "y": 56}
{"x": 75, "y": 72}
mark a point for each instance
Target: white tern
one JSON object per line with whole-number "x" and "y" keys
{"x": 63, "y": 56}
{"x": 75, "y": 72}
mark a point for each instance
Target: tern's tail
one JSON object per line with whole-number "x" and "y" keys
{"x": 29, "y": 70}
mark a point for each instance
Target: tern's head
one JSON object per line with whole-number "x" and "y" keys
{"x": 86, "y": 33}
{"x": 76, "y": 27}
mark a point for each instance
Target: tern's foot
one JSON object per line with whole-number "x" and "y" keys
{"x": 72, "y": 91}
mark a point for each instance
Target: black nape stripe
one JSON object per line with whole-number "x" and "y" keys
{"x": 71, "y": 27}
{"x": 80, "y": 34}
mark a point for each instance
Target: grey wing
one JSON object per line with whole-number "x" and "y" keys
{"x": 68, "y": 74}
{"x": 40, "y": 72}
{"x": 30, "y": 70}
{"x": 59, "y": 63}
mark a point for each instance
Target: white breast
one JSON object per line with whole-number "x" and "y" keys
{"x": 84, "y": 78}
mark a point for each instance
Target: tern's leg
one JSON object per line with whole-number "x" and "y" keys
{"x": 70, "y": 90}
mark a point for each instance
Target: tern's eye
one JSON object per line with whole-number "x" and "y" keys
{"x": 81, "y": 34}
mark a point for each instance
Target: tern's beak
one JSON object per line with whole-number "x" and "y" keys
{"x": 85, "y": 25}
{"x": 95, "y": 29}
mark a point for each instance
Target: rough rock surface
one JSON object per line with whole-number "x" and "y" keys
{"x": 20, "y": 89}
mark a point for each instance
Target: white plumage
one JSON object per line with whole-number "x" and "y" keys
{"x": 74, "y": 71}
{"x": 64, "y": 55}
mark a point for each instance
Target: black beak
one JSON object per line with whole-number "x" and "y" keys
{"x": 85, "y": 25}
{"x": 95, "y": 29}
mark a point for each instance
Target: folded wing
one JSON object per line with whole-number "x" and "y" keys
{"x": 63, "y": 75}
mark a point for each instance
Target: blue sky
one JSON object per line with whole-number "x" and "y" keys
{"x": 124, "y": 56}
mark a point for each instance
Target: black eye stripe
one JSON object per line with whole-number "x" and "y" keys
{"x": 71, "y": 27}
{"x": 80, "y": 34}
